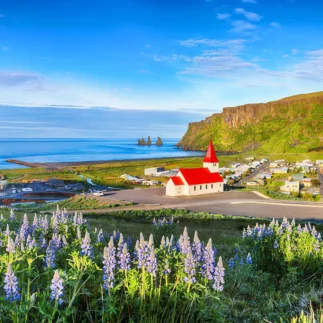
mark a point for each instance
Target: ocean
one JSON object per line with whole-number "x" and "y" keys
{"x": 70, "y": 150}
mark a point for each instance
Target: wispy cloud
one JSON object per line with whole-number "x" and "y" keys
{"x": 5, "y": 48}
{"x": 15, "y": 79}
{"x": 223, "y": 16}
{"x": 194, "y": 42}
{"x": 275, "y": 25}
{"x": 242, "y": 26}
{"x": 252, "y": 16}
{"x": 249, "y": 1}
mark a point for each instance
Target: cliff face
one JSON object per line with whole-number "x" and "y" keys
{"x": 292, "y": 124}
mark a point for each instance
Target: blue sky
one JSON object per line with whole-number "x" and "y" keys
{"x": 158, "y": 64}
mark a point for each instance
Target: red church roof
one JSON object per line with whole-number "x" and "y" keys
{"x": 210, "y": 156}
{"x": 177, "y": 181}
{"x": 197, "y": 176}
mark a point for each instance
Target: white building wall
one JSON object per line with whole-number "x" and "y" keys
{"x": 205, "y": 189}
{"x": 213, "y": 167}
{"x": 173, "y": 190}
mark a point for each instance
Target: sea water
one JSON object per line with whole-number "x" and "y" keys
{"x": 75, "y": 150}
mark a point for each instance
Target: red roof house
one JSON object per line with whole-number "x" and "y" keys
{"x": 196, "y": 181}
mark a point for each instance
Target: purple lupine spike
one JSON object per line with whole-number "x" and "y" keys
{"x": 244, "y": 233}
{"x": 163, "y": 242}
{"x": 109, "y": 264}
{"x": 35, "y": 223}
{"x": 50, "y": 255}
{"x": 45, "y": 224}
{"x": 231, "y": 263}
{"x": 184, "y": 242}
{"x": 124, "y": 258}
{"x": 57, "y": 288}
{"x": 299, "y": 228}
{"x": 22, "y": 247}
{"x": 142, "y": 251}
{"x": 24, "y": 229}
{"x": 43, "y": 243}
{"x": 64, "y": 241}
{"x": 120, "y": 245}
{"x": 56, "y": 240}
{"x": 100, "y": 237}
{"x": 249, "y": 259}
{"x": 293, "y": 222}
{"x": 218, "y": 281}
{"x": 317, "y": 246}
{"x": 32, "y": 244}
{"x": 11, "y": 285}
{"x": 197, "y": 248}
{"x": 166, "y": 268}
{"x": 86, "y": 245}
{"x": 208, "y": 261}
{"x": 151, "y": 241}
{"x": 189, "y": 268}
{"x": 78, "y": 233}
{"x": 151, "y": 263}
{"x": 241, "y": 263}
{"x": 28, "y": 240}
{"x": 12, "y": 215}
{"x": 154, "y": 222}
{"x": 17, "y": 240}
{"x": 11, "y": 248}
{"x": 7, "y": 231}
{"x": 276, "y": 245}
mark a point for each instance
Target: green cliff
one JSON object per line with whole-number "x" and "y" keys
{"x": 293, "y": 124}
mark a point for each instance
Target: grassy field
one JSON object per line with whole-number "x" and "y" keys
{"x": 109, "y": 173}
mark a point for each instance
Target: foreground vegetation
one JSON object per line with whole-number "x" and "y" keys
{"x": 61, "y": 269}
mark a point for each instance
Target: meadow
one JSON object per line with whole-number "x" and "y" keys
{"x": 64, "y": 268}
{"x": 109, "y": 173}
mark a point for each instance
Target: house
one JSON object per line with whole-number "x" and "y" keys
{"x": 307, "y": 182}
{"x": 279, "y": 170}
{"x": 297, "y": 177}
{"x": 290, "y": 187}
{"x": 153, "y": 170}
{"x": 252, "y": 183}
{"x": 197, "y": 181}
{"x": 55, "y": 183}
{"x": 150, "y": 183}
{"x": 3, "y": 184}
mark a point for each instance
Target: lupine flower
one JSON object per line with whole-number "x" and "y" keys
{"x": 151, "y": 241}
{"x": 124, "y": 258}
{"x": 7, "y": 232}
{"x": 86, "y": 245}
{"x": 231, "y": 263}
{"x": 32, "y": 244}
{"x": 57, "y": 288}
{"x": 120, "y": 245}
{"x": 50, "y": 256}
{"x": 219, "y": 276}
{"x": 24, "y": 229}
{"x": 57, "y": 240}
{"x": 64, "y": 241}
{"x": 35, "y": 223}
{"x": 100, "y": 237}
{"x": 184, "y": 242}
{"x": 189, "y": 268}
{"x": 241, "y": 263}
{"x": 152, "y": 263}
{"x": 109, "y": 262}
{"x": 43, "y": 243}
{"x": 12, "y": 215}
{"x": 276, "y": 245}
{"x": 11, "y": 246}
{"x": 249, "y": 259}
{"x": 208, "y": 261}
{"x": 166, "y": 269}
{"x": 28, "y": 240}
{"x": 11, "y": 285}
{"x": 45, "y": 224}
{"x": 78, "y": 233}
{"x": 142, "y": 252}
{"x": 317, "y": 246}
{"x": 163, "y": 242}
{"x": 197, "y": 248}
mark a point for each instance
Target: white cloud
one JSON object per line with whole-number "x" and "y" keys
{"x": 15, "y": 79}
{"x": 294, "y": 51}
{"x": 275, "y": 25}
{"x": 5, "y": 48}
{"x": 252, "y": 16}
{"x": 223, "y": 16}
{"x": 194, "y": 42}
{"x": 249, "y": 1}
{"x": 242, "y": 26}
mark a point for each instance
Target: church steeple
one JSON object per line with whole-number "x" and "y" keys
{"x": 211, "y": 161}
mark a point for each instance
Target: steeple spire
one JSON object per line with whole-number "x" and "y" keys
{"x": 210, "y": 156}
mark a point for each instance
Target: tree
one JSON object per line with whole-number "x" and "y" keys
{"x": 315, "y": 182}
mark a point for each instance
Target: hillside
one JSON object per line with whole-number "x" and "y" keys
{"x": 293, "y": 124}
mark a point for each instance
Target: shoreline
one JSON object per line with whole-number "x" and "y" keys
{"x": 96, "y": 162}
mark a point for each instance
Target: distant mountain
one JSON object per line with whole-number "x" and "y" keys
{"x": 292, "y": 124}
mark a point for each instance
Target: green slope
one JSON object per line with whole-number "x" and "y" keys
{"x": 293, "y": 124}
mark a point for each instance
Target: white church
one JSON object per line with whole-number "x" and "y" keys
{"x": 197, "y": 181}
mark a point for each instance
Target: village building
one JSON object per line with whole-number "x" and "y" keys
{"x": 290, "y": 187}
{"x": 197, "y": 181}
{"x": 153, "y": 170}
